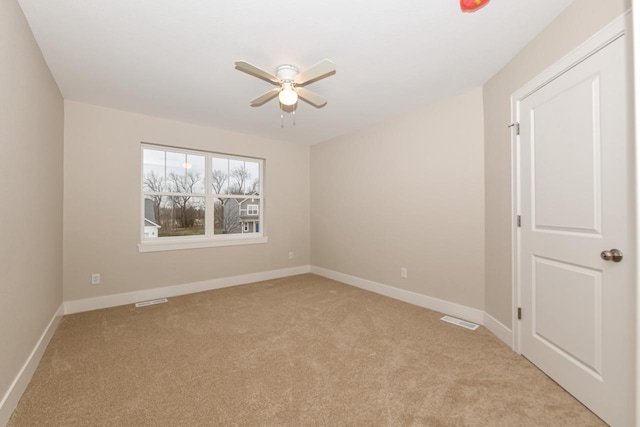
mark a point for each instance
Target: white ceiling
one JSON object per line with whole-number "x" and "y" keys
{"x": 175, "y": 58}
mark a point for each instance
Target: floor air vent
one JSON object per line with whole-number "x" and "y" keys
{"x": 152, "y": 302}
{"x": 459, "y": 322}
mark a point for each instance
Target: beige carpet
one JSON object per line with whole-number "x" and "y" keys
{"x": 297, "y": 351}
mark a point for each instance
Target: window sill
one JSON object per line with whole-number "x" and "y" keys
{"x": 176, "y": 245}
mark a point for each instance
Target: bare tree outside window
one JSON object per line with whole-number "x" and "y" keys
{"x": 234, "y": 177}
{"x": 177, "y": 201}
{"x": 227, "y": 216}
{"x": 187, "y": 213}
{"x": 239, "y": 178}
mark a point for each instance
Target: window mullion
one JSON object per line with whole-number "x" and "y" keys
{"x": 260, "y": 200}
{"x": 209, "y": 206}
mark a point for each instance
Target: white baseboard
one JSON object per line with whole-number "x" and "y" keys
{"x": 77, "y": 306}
{"x": 18, "y": 386}
{"x": 498, "y": 329}
{"x": 446, "y": 307}
{"x": 12, "y": 396}
{"x": 453, "y": 309}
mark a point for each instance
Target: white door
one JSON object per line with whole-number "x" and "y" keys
{"x": 575, "y": 191}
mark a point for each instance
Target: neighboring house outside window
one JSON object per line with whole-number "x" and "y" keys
{"x": 197, "y": 199}
{"x": 245, "y": 213}
{"x": 150, "y": 226}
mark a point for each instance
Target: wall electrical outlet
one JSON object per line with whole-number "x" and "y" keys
{"x": 290, "y": 254}
{"x": 403, "y": 272}
{"x": 95, "y": 279}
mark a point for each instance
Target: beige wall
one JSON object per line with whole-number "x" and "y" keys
{"x": 581, "y": 20}
{"x": 102, "y": 204}
{"x": 412, "y": 191}
{"x": 406, "y": 192}
{"x": 31, "y": 120}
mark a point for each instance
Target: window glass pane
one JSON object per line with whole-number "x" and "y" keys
{"x": 181, "y": 216}
{"x": 175, "y": 169}
{"x": 237, "y": 177}
{"x": 253, "y": 170}
{"x": 220, "y": 175}
{"x": 234, "y": 216}
{"x": 152, "y": 205}
{"x": 195, "y": 169}
{"x": 185, "y": 173}
{"x": 244, "y": 177}
{"x": 226, "y": 216}
{"x": 232, "y": 176}
{"x": 153, "y": 178}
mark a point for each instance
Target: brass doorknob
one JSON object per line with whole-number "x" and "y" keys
{"x": 613, "y": 255}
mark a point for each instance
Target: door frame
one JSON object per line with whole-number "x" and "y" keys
{"x": 636, "y": 103}
{"x": 616, "y": 29}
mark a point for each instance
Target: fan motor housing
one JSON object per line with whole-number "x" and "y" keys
{"x": 286, "y": 72}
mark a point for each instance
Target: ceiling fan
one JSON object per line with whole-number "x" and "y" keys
{"x": 290, "y": 82}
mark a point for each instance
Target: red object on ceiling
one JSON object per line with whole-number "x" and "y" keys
{"x": 472, "y": 5}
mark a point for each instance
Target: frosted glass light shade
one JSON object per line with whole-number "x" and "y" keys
{"x": 288, "y": 96}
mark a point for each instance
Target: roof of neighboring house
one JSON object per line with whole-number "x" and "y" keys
{"x": 149, "y": 212}
{"x": 251, "y": 198}
{"x": 151, "y": 223}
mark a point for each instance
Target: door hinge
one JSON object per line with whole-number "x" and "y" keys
{"x": 515, "y": 125}
{"x": 519, "y": 220}
{"x": 519, "y": 313}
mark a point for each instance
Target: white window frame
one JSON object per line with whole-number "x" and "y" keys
{"x": 209, "y": 239}
{"x": 257, "y": 210}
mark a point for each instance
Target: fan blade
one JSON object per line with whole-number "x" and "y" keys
{"x": 312, "y": 98}
{"x": 264, "y": 98}
{"x": 319, "y": 71}
{"x": 257, "y": 72}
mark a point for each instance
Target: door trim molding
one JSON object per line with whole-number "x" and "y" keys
{"x": 613, "y": 31}
{"x": 616, "y": 29}
{"x": 636, "y": 80}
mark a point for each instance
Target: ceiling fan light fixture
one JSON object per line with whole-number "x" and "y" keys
{"x": 287, "y": 95}
{"x": 291, "y": 83}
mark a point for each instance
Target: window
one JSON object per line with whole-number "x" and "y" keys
{"x": 195, "y": 199}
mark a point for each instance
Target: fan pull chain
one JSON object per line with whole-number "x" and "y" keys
{"x": 281, "y": 117}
